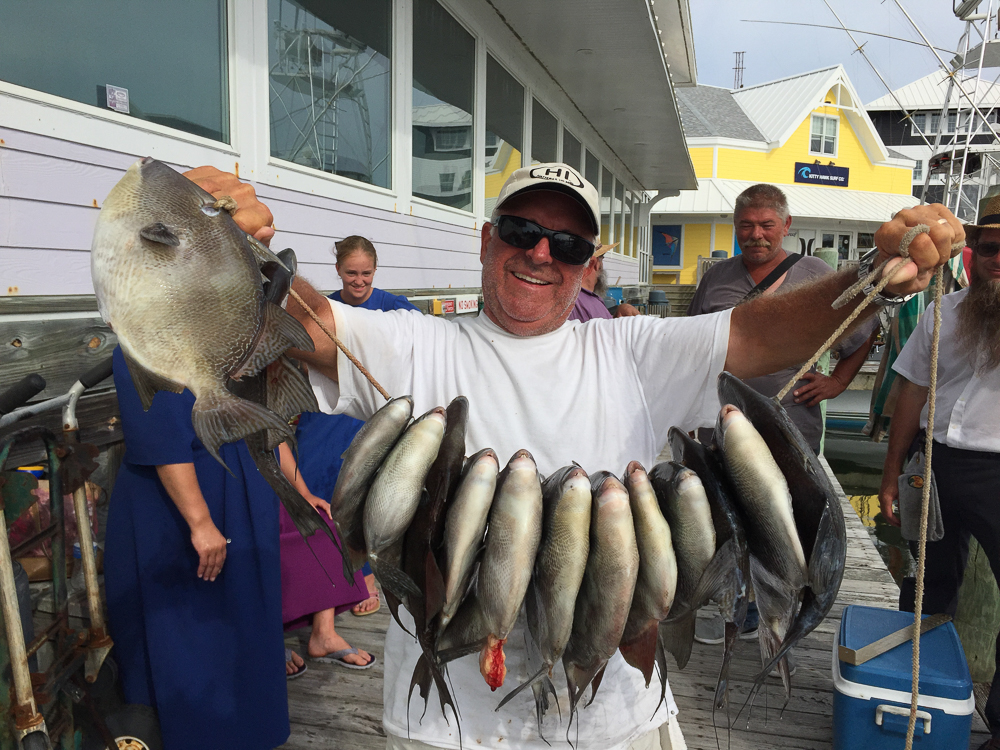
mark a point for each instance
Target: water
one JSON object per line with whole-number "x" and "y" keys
{"x": 857, "y": 464}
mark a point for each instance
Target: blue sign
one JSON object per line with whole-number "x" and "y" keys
{"x": 821, "y": 174}
{"x": 666, "y": 244}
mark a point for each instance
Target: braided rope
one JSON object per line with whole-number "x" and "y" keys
{"x": 354, "y": 360}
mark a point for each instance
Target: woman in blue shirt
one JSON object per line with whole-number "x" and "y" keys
{"x": 322, "y": 438}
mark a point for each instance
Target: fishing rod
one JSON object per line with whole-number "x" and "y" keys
{"x": 837, "y": 28}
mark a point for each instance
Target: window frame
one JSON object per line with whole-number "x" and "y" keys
{"x": 813, "y": 117}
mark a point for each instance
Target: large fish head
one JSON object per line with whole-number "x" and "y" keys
{"x": 609, "y": 492}
{"x": 522, "y": 460}
{"x": 730, "y": 421}
{"x": 636, "y": 478}
{"x": 434, "y": 420}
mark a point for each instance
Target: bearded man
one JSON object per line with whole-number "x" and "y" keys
{"x": 966, "y": 456}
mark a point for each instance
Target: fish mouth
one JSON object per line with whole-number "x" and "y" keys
{"x": 633, "y": 467}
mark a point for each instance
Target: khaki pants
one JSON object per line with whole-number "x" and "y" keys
{"x": 667, "y": 737}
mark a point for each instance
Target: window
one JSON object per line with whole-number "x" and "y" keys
{"x": 827, "y": 240}
{"x": 444, "y": 63}
{"x": 330, "y": 84}
{"x": 504, "y": 129}
{"x": 571, "y": 150}
{"x": 592, "y": 169}
{"x": 544, "y": 130}
{"x": 626, "y": 247}
{"x": 823, "y": 135}
{"x": 866, "y": 241}
{"x": 935, "y": 122}
{"x": 635, "y": 228}
{"x": 952, "y": 118}
{"x": 78, "y": 50}
{"x": 607, "y": 188}
{"x": 918, "y": 170}
{"x": 920, "y": 122}
{"x": 619, "y": 209}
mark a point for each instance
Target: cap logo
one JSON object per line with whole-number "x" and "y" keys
{"x": 558, "y": 174}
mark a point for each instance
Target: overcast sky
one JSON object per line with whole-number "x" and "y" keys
{"x": 774, "y": 51}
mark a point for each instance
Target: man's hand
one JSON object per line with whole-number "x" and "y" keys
{"x": 889, "y": 494}
{"x": 927, "y": 251}
{"x": 625, "y": 310}
{"x": 211, "y": 548}
{"x": 252, "y": 216}
{"x": 819, "y": 388}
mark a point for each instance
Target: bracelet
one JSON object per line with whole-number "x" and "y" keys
{"x": 881, "y": 299}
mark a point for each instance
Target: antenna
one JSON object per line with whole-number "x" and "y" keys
{"x": 738, "y": 70}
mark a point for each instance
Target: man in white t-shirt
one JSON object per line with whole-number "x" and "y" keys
{"x": 966, "y": 456}
{"x": 600, "y": 393}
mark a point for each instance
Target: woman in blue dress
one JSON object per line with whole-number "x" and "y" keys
{"x": 192, "y": 572}
{"x": 322, "y": 438}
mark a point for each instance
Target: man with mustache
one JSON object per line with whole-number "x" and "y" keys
{"x": 602, "y": 394}
{"x": 966, "y": 456}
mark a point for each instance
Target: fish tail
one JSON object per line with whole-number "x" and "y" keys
{"x": 393, "y": 579}
{"x": 541, "y": 689}
{"x": 221, "y": 417}
{"x": 640, "y": 651}
{"x": 543, "y": 671}
{"x": 677, "y": 638}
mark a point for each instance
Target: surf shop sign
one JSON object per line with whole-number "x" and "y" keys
{"x": 821, "y": 174}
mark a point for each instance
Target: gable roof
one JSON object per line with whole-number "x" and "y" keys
{"x": 779, "y": 107}
{"x": 712, "y": 111}
{"x": 928, "y": 93}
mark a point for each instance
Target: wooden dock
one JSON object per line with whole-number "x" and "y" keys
{"x": 338, "y": 708}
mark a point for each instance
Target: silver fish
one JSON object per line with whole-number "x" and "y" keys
{"x": 656, "y": 584}
{"x": 362, "y": 458}
{"x": 181, "y": 286}
{"x": 512, "y": 538}
{"x": 465, "y": 527}
{"x": 605, "y": 597}
{"x": 395, "y": 494}
{"x": 551, "y": 598}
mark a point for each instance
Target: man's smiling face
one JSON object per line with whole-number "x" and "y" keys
{"x": 527, "y": 292}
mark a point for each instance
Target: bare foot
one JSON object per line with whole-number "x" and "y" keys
{"x": 321, "y": 646}
{"x": 370, "y": 604}
{"x": 293, "y": 662}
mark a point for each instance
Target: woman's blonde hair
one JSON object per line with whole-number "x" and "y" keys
{"x": 353, "y": 244}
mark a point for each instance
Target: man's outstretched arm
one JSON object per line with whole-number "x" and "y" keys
{"x": 324, "y": 358}
{"x": 783, "y": 330}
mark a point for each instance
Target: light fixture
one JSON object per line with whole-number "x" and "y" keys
{"x": 619, "y": 109}
{"x": 831, "y": 164}
{"x": 585, "y": 51}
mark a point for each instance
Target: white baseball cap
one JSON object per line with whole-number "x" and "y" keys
{"x": 555, "y": 176}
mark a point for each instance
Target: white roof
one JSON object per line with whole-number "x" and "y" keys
{"x": 779, "y": 107}
{"x": 716, "y": 196}
{"x": 928, "y": 93}
{"x": 441, "y": 114}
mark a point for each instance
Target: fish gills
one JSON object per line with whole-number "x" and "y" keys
{"x": 362, "y": 459}
{"x": 395, "y": 494}
{"x": 605, "y": 596}
{"x": 465, "y": 526}
{"x": 656, "y": 584}
{"x": 512, "y": 538}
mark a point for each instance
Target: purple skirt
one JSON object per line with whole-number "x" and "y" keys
{"x": 305, "y": 588}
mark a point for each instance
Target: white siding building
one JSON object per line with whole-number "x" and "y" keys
{"x": 394, "y": 119}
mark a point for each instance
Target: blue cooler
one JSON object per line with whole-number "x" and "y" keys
{"x": 871, "y": 701}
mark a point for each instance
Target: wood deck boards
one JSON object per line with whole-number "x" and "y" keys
{"x": 335, "y": 708}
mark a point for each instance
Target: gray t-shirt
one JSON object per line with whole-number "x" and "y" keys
{"x": 725, "y": 285}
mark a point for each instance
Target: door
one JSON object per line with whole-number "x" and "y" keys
{"x": 844, "y": 246}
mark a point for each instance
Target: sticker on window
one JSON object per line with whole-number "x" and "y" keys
{"x": 117, "y": 99}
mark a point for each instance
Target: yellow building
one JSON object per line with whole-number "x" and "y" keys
{"x": 808, "y": 134}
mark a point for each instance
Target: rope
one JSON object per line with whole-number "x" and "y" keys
{"x": 354, "y": 360}
{"x": 924, "y": 505}
{"x": 843, "y": 299}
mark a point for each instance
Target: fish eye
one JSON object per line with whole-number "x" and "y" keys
{"x": 209, "y": 210}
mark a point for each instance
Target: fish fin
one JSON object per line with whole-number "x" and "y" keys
{"x": 677, "y": 638}
{"x": 160, "y": 233}
{"x": 541, "y": 689}
{"x": 394, "y": 603}
{"x": 421, "y": 679}
{"x": 288, "y": 391}
{"x": 722, "y": 686}
{"x": 221, "y": 417}
{"x": 147, "y": 383}
{"x": 640, "y": 651}
{"x": 279, "y": 331}
{"x": 433, "y": 587}
{"x": 661, "y": 668}
{"x": 713, "y": 579}
{"x": 542, "y": 671}
{"x": 393, "y": 579}
{"x": 596, "y": 683}
{"x": 263, "y": 254}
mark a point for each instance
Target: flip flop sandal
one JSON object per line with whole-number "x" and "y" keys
{"x": 337, "y": 657}
{"x": 299, "y": 671}
{"x": 378, "y": 605}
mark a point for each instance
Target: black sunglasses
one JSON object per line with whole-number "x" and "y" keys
{"x": 563, "y": 246}
{"x": 988, "y": 249}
